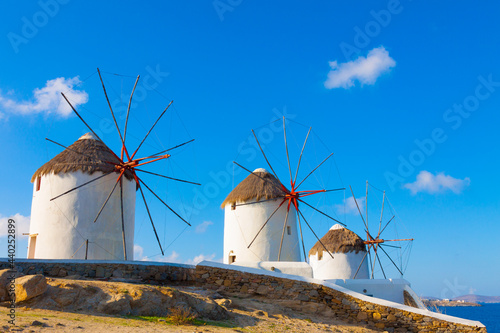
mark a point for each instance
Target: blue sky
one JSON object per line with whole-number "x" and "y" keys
{"x": 405, "y": 93}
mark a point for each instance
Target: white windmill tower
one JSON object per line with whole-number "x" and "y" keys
{"x": 257, "y": 199}
{"x": 348, "y": 250}
{"x": 84, "y": 198}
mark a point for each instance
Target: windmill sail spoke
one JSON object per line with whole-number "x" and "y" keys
{"x": 74, "y": 110}
{"x": 110, "y": 108}
{"x": 321, "y": 212}
{"x": 366, "y": 206}
{"x": 286, "y": 147}
{"x": 335, "y": 189}
{"x": 310, "y": 173}
{"x": 319, "y": 240}
{"x": 169, "y": 149}
{"x": 381, "y": 214}
{"x": 397, "y": 247}
{"x": 151, "y": 219}
{"x": 109, "y": 196}
{"x": 393, "y": 216}
{"x": 382, "y": 268}
{"x": 147, "y": 134}
{"x": 360, "y": 264}
{"x": 370, "y": 259}
{"x": 75, "y": 151}
{"x": 123, "y": 220}
{"x": 163, "y": 202}
{"x": 307, "y": 193}
{"x": 90, "y": 128}
{"x": 167, "y": 177}
{"x": 128, "y": 112}
{"x": 82, "y": 185}
{"x": 300, "y": 157}
{"x": 391, "y": 260}
{"x": 265, "y": 223}
{"x": 374, "y": 259}
{"x": 256, "y": 175}
{"x": 265, "y": 157}
{"x": 359, "y": 210}
{"x": 283, "y": 233}
{"x": 302, "y": 238}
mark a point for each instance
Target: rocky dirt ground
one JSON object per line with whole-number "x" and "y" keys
{"x": 97, "y": 306}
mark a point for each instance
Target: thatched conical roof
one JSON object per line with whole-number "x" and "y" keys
{"x": 94, "y": 157}
{"x": 339, "y": 240}
{"x": 258, "y": 185}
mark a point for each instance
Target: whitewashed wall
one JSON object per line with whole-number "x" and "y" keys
{"x": 388, "y": 289}
{"x": 65, "y": 223}
{"x": 285, "y": 267}
{"x": 243, "y": 223}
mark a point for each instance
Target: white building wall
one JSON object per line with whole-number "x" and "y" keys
{"x": 242, "y": 224}
{"x": 342, "y": 266}
{"x": 285, "y": 267}
{"x": 63, "y": 225}
{"x": 388, "y": 289}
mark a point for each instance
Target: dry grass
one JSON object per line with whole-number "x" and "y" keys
{"x": 408, "y": 300}
{"x": 181, "y": 316}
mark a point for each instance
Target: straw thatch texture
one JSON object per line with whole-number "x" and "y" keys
{"x": 339, "y": 240}
{"x": 94, "y": 156}
{"x": 257, "y": 186}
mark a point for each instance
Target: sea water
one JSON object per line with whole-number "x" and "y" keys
{"x": 488, "y": 314}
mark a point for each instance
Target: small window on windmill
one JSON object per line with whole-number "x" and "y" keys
{"x": 38, "y": 181}
{"x": 233, "y": 206}
{"x": 288, "y": 230}
{"x": 232, "y": 257}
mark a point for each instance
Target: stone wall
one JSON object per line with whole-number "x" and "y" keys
{"x": 148, "y": 272}
{"x": 344, "y": 306}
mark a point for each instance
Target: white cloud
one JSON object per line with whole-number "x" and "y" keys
{"x": 364, "y": 69}
{"x": 46, "y": 100}
{"x": 202, "y": 227}
{"x": 173, "y": 257}
{"x": 199, "y": 258}
{"x": 349, "y": 206}
{"x": 138, "y": 252}
{"x": 427, "y": 182}
{"x": 139, "y": 255}
{"x": 22, "y": 224}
